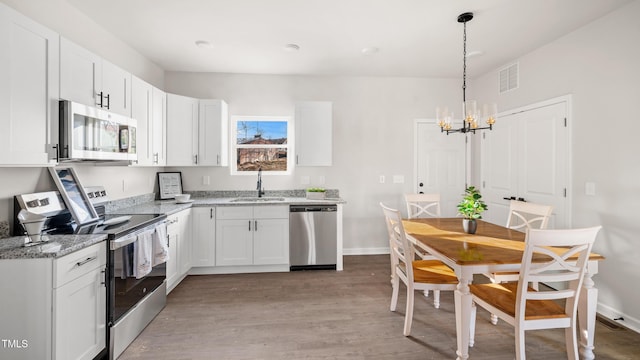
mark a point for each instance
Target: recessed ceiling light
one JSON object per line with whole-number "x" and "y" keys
{"x": 204, "y": 44}
{"x": 292, "y": 47}
{"x": 370, "y": 50}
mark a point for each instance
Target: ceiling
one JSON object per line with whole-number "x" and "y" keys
{"x": 413, "y": 37}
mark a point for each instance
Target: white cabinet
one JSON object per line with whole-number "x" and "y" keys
{"x": 88, "y": 79}
{"x": 252, "y": 235}
{"x": 313, "y": 127}
{"x": 182, "y": 125}
{"x": 159, "y": 127}
{"x": 179, "y": 239}
{"x": 141, "y": 111}
{"x": 213, "y": 133}
{"x": 199, "y": 131}
{"x": 58, "y": 310}
{"x": 204, "y": 230}
{"x": 28, "y": 90}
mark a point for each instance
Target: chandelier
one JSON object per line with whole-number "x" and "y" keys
{"x": 470, "y": 110}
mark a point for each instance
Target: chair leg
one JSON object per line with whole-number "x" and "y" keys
{"x": 395, "y": 285}
{"x": 572, "y": 343}
{"x": 408, "y": 315}
{"x": 436, "y": 299}
{"x": 494, "y": 319}
{"x": 520, "y": 353}
{"x": 472, "y": 324}
{"x": 426, "y": 293}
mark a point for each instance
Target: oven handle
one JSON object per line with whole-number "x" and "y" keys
{"x": 131, "y": 238}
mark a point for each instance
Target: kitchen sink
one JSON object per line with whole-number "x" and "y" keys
{"x": 257, "y": 199}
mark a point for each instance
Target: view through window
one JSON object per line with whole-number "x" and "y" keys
{"x": 261, "y": 143}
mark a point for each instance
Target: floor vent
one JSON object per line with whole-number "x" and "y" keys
{"x": 509, "y": 78}
{"x": 610, "y": 324}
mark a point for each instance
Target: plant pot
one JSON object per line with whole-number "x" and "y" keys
{"x": 315, "y": 195}
{"x": 469, "y": 226}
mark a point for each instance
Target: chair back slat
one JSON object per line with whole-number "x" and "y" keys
{"x": 422, "y": 205}
{"x": 526, "y": 215}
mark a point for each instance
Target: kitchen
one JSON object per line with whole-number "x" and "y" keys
{"x": 570, "y": 64}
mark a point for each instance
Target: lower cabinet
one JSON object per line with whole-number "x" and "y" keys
{"x": 204, "y": 232}
{"x": 180, "y": 244}
{"x": 252, "y": 235}
{"x": 54, "y": 308}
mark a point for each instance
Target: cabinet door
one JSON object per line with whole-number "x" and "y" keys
{"x": 185, "y": 248}
{"x": 234, "y": 242}
{"x": 182, "y": 125}
{"x": 271, "y": 242}
{"x": 313, "y": 133}
{"x": 213, "y": 133}
{"x": 159, "y": 126}
{"x": 80, "y": 317}
{"x": 28, "y": 90}
{"x": 116, "y": 89}
{"x": 141, "y": 94}
{"x": 173, "y": 232}
{"x": 203, "y": 239}
{"x": 80, "y": 74}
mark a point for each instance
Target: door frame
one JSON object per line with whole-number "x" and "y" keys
{"x": 567, "y": 100}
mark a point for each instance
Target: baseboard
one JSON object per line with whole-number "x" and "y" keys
{"x": 366, "y": 251}
{"x": 619, "y": 318}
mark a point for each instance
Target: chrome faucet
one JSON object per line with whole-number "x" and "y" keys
{"x": 260, "y": 191}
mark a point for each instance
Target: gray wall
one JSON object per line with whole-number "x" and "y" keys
{"x": 598, "y": 66}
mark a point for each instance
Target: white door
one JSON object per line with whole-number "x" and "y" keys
{"x": 527, "y": 158}
{"x": 440, "y": 164}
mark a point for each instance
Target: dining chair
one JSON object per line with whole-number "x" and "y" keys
{"x": 523, "y": 216}
{"x": 415, "y": 274}
{"x": 566, "y": 253}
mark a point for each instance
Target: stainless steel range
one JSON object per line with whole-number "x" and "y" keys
{"x": 136, "y": 281}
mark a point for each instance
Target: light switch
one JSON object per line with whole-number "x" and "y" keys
{"x": 382, "y": 179}
{"x": 398, "y": 179}
{"x": 590, "y": 189}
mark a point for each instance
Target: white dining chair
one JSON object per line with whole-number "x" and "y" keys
{"x": 415, "y": 274}
{"x": 565, "y": 254}
{"x": 522, "y": 217}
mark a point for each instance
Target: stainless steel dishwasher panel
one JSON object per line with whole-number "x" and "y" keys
{"x": 313, "y": 237}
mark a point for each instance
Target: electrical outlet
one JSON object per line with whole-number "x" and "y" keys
{"x": 382, "y": 179}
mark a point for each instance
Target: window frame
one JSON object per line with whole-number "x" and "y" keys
{"x": 234, "y": 146}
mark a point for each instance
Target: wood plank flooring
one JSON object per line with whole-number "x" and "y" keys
{"x": 332, "y": 315}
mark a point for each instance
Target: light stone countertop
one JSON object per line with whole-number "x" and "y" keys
{"x": 58, "y": 245}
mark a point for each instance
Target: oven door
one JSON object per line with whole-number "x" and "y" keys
{"x": 135, "y": 297}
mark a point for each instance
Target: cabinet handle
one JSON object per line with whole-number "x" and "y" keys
{"x": 255, "y": 225}
{"x": 211, "y": 213}
{"x": 100, "y": 103}
{"x": 297, "y": 160}
{"x": 56, "y": 146}
{"x": 155, "y": 158}
{"x": 89, "y": 259}
{"x": 218, "y": 159}
{"x": 249, "y": 225}
{"x": 108, "y": 101}
{"x": 196, "y": 157}
{"x": 104, "y": 277}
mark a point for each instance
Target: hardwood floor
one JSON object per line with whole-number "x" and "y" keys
{"x": 332, "y": 315}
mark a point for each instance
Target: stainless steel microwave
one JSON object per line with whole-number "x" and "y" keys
{"x": 89, "y": 133}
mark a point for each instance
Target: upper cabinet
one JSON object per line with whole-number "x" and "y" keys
{"x": 148, "y": 109}
{"x": 28, "y": 90}
{"x": 182, "y": 124}
{"x": 198, "y": 131}
{"x": 313, "y": 133}
{"x": 88, "y": 79}
{"x": 213, "y": 133}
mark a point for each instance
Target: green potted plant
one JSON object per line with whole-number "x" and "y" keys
{"x": 471, "y": 208}
{"x": 316, "y": 193}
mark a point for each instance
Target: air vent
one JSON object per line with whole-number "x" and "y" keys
{"x": 509, "y": 78}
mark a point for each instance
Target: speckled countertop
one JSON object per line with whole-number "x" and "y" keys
{"x": 58, "y": 245}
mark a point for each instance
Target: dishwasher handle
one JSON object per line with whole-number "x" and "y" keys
{"x": 311, "y": 208}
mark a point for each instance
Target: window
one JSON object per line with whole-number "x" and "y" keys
{"x": 261, "y": 142}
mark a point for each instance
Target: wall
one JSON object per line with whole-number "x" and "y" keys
{"x": 373, "y": 120}
{"x": 598, "y": 66}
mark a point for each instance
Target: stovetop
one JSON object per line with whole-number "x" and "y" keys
{"x": 134, "y": 223}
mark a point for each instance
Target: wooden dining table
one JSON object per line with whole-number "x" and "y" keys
{"x": 493, "y": 248}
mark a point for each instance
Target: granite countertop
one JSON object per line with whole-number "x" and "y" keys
{"x": 171, "y": 206}
{"x": 57, "y": 246}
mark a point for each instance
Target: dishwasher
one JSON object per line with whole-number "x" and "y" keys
{"x": 313, "y": 237}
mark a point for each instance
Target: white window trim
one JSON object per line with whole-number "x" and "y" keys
{"x": 233, "y": 147}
